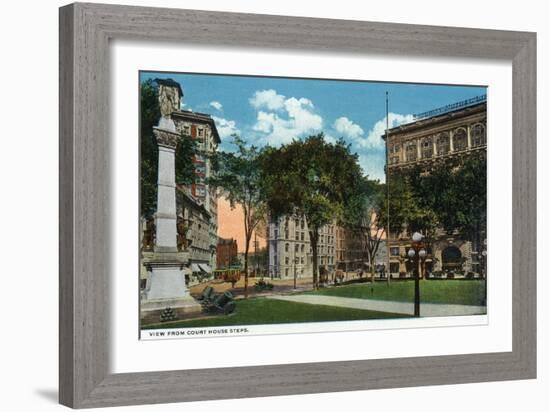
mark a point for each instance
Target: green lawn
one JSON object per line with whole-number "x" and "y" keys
{"x": 261, "y": 311}
{"x": 462, "y": 292}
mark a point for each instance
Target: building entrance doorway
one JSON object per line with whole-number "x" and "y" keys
{"x": 451, "y": 259}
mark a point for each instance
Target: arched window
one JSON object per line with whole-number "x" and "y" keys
{"x": 442, "y": 143}
{"x": 427, "y": 148}
{"x": 460, "y": 140}
{"x": 479, "y": 138}
{"x": 411, "y": 152}
{"x": 286, "y": 247}
{"x": 451, "y": 258}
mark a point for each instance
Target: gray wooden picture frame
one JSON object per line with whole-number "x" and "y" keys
{"x": 85, "y": 32}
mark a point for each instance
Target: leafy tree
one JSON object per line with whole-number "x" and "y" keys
{"x": 407, "y": 208}
{"x": 457, "y": 193}
{"x": 451, "y": 195}
{"x": 364, "y": 216}
{"x": 149, "y": 117}
{"x": 310, "y": 178}
{"x": 238, "y": 176}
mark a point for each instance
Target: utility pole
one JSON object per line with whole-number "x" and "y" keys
{"x": 255, "y": 254}
{"x": 295, "y": 262}
{"x": 388, "y": 254}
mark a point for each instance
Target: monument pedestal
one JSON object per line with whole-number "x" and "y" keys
{"x": 167, "y": 288}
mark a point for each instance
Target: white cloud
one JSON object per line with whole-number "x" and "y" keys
{"x": 373, "y": 166}
{"x": 330, "y": 139}
{"x": 265, "y": 122}
{"x": 374, "y": 137}
{"x": 225, "y": 127}
{"x": 267, "y": 99}
{"x": 295, "y": 118}
{"x": 370, "y": 146}
{"x": 347, "y": 128}
{"x": 216, "y": 105}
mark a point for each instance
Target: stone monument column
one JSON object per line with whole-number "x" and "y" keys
{"x": 165, "y": 217}
{"x": 167, "y": 286}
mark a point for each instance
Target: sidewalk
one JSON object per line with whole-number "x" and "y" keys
{"x": 405, "y": 308}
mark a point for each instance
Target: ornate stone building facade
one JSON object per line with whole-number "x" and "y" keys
{"x": 201, "y": 128}
{"x": 196, "y": 222}
{"x": 435, "y": 137}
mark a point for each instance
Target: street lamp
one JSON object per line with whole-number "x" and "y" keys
{"x": 417, "y": 252}
{"x": 484, "y": 268}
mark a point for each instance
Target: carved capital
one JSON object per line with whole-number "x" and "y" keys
{"x": 166, "y": 138}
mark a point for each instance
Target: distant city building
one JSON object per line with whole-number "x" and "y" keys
{"x": 290, "y": 250}
{"x": 349, "y": 249}
{"x": 258, "y": 262}
{"x": 457, "y": 130}
{"x": 197, "y": 221}
{"x": 227, "y": 253}
{"x": 201, "y": 128}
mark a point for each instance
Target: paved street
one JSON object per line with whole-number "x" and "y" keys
{"x": 281, "y": 286}
{"x": 406, "y": 308}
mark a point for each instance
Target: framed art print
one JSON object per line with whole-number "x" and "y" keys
{"x": 295, "y": 202}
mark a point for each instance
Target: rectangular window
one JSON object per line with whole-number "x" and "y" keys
{"x": 394, "y": 251}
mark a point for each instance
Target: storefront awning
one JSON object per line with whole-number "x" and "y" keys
{"x": 195, "y": 268}
{"x": 205, "y": 268}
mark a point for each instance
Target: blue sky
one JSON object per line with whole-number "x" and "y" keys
{"x": 267, "y": 110}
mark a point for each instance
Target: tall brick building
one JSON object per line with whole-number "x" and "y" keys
{"x": 227, "y": 253}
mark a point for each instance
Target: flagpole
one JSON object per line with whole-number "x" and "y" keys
{"x": 387, "y": 193}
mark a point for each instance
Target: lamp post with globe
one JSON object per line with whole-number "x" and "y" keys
{"x": 417, "y": 252}
{"x": 484, "y": 270}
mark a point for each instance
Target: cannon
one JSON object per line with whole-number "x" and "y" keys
{"x": 217, "y": 303}
{"x": 207, "y": 294}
